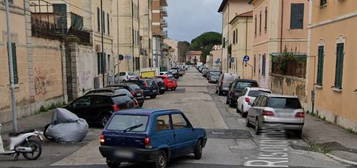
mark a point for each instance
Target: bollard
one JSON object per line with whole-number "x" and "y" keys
{"x": 1, "y": 142}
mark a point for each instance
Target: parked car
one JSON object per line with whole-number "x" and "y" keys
{"x": 276, "y": 111}
{"x": 204, "y": 72}
{"x": 170, "y": 82}
{"x": 213, "y": 76}
{"x": 96, "y": 108}
{"x": 147, "y": 85}
{"x": 181, "y": 71}
{"x": 224, "y": 81}
{"x": 249, "y": 94}
{"x": 175, "y": 73}
{"x": 134, "y": 89}
{"x": 124, "y": 76}
{"x": 150, "y": 136}
{"x": 236, "y": 88}
{"x": 160, "y": 83}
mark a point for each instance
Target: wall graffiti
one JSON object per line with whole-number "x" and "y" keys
{"x": 41, "y": 82}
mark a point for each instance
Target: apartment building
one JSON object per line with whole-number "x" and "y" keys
{"x": 331, "y": 75}
{"x": 230, "y": 9}
{"x": 159, "y": 33}
{"x": 145, "y": 20}
{"x": 279, "y": 46}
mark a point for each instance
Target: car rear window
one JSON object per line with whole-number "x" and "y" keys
{"x": 134, "y": 86}
{"x": 123, "y": 91}
{"x": 121, "y": 99}
{"x": 282, "y": 102}
{"x": 100, "y": 91}
{"x": 124, "y": 122}
{"x": 256, "y": 93}
{"x": 122, "y": 74}
{"x": 243, "y": 85}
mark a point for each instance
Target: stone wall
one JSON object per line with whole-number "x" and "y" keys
{"x": 288, "y": 85}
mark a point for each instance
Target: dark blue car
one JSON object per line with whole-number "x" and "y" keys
{"x": 150, "y": 135}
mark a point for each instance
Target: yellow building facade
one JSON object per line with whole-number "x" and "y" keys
{"x": 331, "y": 73}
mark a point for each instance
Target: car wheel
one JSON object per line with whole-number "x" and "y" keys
{"x": 220, "y": 93}
{"x": 227, "y": 100}
{"x": 105, "y": 120}
{"x": 153, "y": 97}
{"x": 198, "y": 150}
{"x": 161, "y": 160}
{"x": 257, "y": 127}
{"x": 113, "y": 164}
{"x": 141, "y": 105}
{"x": 174, "y": 89}
{"x": 244, "y": 114}
{"x": 248, "y": 124}
{"x": 298, "y": 133}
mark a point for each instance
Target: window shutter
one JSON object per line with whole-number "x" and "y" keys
{"x": 297, "y": 16}
{"x": 339, "y": 65}
{"x": 320, "y": 65}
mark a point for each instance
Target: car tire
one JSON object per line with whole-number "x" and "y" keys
{"x": 248, "y": 124}
{"x": 298, "y": 133}
{"x": 161, "y": 160}
{"x": 113, "y": 164}
{"x": 141, "y": 105}
{"x": 153, "y": 97}
{"x": 174, "y": 89}
{"x": 227, "y": 100}
{"x": 257, "y": 127}
{"x": 198, "y": 150}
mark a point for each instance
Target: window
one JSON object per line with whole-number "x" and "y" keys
{"x": 282, "y": 102}
{"x": 98, "y": 19}
{"x": 179, "y": 122}
{"x": 163, "y": 123}
{"x": 81, "y": 102}
{"x": 266, "y": 20}
{"x": 76, "y": 21}
{"x": 320, "y": 65}
{"x": 255, "y": 64}
{"x": 130, "y": 123}
{"x": 297, "y": 16}
{"x": 101, "y": 62}
{"x": 108, "y": 23}
{"x": 14, "y": 62}
{"x": 339, "y": 65}
{"x": 255, "y": 25}
{"x": 234, "y": 37}
{"x": 323, "y": 3}
{"x": 263, "y": 65}
{"x": 260, "y": 23}
{"x": 137, "y": 63}
{"x": 103, "y": 21}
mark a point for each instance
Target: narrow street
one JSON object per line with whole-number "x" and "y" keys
{"x": 230, "y": 143}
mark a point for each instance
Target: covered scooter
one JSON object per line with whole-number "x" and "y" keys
{"x": 66, "y": 127}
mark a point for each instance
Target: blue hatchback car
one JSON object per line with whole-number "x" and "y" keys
{"x": 150, "y": 135}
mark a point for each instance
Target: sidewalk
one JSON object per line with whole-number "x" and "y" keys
{"x": 341, "y": 144}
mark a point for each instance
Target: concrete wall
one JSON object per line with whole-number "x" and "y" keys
{"x": 288, "y": 85}
{"x": 337, "y": 105}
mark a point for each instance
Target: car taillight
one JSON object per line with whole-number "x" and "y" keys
{"x": 146, "y": 84}
{"x": 133, "y": 93}
{"x": 136, "y": 102}
{"x": 267, "y": 113}
{"x": 147, "y": 142}
{"x": 300, "y": 115}
{"x": 102, "y": 139}
{"x": 247, "y": 99}
{"x": 116, "y": 108}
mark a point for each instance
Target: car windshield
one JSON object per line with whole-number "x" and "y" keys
{"x": 123, "y": 122}
{"x": 134, "y": 86}
{"x": 243, "y": 85}
{"x": 256, "y": 93}
{"x": 131, "y": 74}
{"x": 282, "y": 102}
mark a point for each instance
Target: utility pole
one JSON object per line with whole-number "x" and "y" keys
{"x": 11, "y": 69}
{"x": 102, "y": 41}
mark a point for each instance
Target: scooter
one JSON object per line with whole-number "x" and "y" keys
{"x": 23, "y": 143}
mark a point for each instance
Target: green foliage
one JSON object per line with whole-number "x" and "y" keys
{"x": 283, "y": 61}
{"x": 205, "y": 42}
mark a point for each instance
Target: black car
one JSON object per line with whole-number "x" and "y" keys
{"x": 175, "y": 72}
{"x": 160, "y": 84}
{"x": 148, "y": 85}
{"x": 236, "y": 88}
{"x": 134, "y": 89}
{"x": 97, "y": 108}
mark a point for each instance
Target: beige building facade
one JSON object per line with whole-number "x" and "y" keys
{"x": 215, "y": 57}
{"x": 331, "y": 73}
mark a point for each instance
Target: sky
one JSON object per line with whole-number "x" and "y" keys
{"x": 188, "y": 19}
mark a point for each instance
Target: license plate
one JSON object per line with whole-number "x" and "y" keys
{"x": 139, "y": 94}
{"x": 124, "y": 154}
{"x": 154, "y": 91}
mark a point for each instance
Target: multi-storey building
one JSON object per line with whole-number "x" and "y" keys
{"x": 230, "y": 9}
{"x": 280, "y": 42}
{"x": 331, "y": 75}
{"x": 158, "y": 10}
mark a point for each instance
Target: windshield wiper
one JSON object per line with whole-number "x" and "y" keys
{"x": 132, "y": 127}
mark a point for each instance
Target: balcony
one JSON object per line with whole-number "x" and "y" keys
{"x": 163, "y": 12}
{"x": 163, "y": 3}
{"x": 163, "y": 23}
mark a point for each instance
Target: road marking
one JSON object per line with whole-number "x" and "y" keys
{"x": 273, "y": 151}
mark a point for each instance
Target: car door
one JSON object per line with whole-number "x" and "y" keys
{"x": 183, "y": 133}
{"x": 253, "y": 110}
{"x": 241, "y": 99}
{"x": 101, "y": 106}
{"x": 80, "y": 107}
{"x": 163, "y": 134}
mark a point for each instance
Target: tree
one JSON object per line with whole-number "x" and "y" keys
{"x": 205, "y": 43}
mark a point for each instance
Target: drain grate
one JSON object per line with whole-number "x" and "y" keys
{"x": 228, "y": 134}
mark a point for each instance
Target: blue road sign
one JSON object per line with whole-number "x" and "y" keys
{"x": 246, "y": 58}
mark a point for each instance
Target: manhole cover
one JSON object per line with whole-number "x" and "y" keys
{"x": 228, "y": 134}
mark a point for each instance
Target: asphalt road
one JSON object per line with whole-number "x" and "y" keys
{"x": 230, "y": 144}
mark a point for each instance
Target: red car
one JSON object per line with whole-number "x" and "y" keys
{"x": 170, "y": 82}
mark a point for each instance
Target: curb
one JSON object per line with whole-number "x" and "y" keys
{"x": 341, "y": 159}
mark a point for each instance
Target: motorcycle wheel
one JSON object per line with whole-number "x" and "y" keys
{"x": 45, "y": 133}
{"x": 36, "y": 149}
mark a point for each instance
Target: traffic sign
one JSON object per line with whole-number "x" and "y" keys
{"x": 246, "y": 58}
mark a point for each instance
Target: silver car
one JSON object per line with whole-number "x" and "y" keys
{"x": 276, "y": 112}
